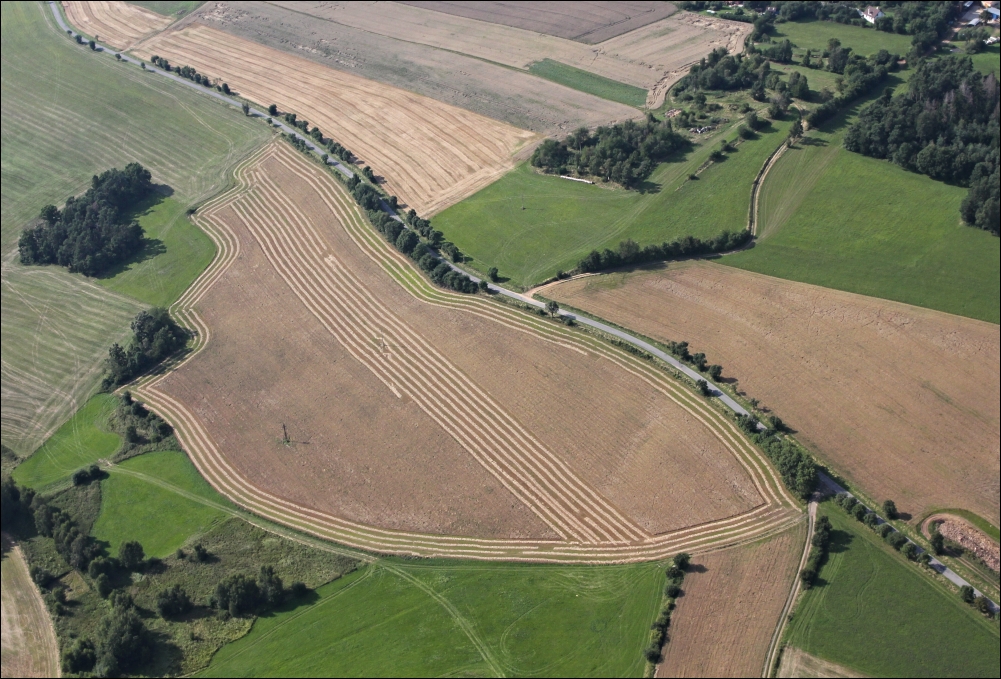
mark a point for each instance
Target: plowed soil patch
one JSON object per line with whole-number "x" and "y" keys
{"x": 431, "y": 154}
{"x": 119, "y": 24}
{"x": 731, "y": 604}
{"x": 904, "y": 401}
{"x": 588, "y": 22}
{"x": 418, "y": 416}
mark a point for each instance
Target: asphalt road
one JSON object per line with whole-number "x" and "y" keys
{"x": 615, "y": 332}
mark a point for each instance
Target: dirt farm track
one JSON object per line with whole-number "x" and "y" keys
{"x": 444, "y": 393}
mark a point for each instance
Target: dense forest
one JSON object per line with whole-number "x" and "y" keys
{"x": 91, "y": 232}
{"x": 155, "y": 336}
{"x": 946, "y": 126}
{"x": 625, "y": 153}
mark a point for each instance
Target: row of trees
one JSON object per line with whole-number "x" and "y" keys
{"x": 797, "y": 468}
{"x": 945, "y": 126}
{"x": 672, "y": 590}
{"x": 188, "y": 72}
{"x": 625, "y": 153}
{"x": 861, "y": 75}
{"x": 155, "y": 335}
{"x": 893, "y": 537}
{"x": 819, "y": 544}
{"x": 92, "y": 232}
{"x": 629, "y": 252}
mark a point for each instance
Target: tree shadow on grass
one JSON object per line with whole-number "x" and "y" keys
{"x": 151, "y": 247}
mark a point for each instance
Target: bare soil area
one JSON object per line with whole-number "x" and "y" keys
{"x": 119, "y": 24}
{"x": 903, "y": 401}
{"x": 360, "y": 42}
{"x": 732, "y": 601}
{"x": 427, "y": 417}
{"x": 29, "y": 647}
{"x": 587, "y": 22}
{"x": 798, "y": 663}
{"x": 965, "y": 534}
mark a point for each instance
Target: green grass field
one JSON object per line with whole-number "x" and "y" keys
{"x": 865, "y": 41}
{"x": 518, "y": 620}
{"x": 841, "y": 220}
{"x": 562, "y": 220}
{"x": 79, "y": 442}
{"x": 139, "y": 508}
{"x": 875, "y": 614}
{"x": 176, "y": 254}
{"x": 69, "y": 113}
{"x": 989, "y": 60}
{"x": 170, "y": 8}
{"x": 585, "y": 81}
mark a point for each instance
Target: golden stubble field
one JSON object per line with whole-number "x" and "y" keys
{"x": 904, "y": 401}
{"x": 431, "y": 154}
{"x": 438, "y": 416}
{"x": 732, "y": 602}
{"x": 652, "y": 56}
{"x": 119, "y": 24}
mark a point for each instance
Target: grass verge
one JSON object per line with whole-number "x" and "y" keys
{"x": 877, "y": 614}
{"x": 585, "y": 81}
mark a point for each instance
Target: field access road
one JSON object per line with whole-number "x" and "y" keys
{"x": 615, "y": 332}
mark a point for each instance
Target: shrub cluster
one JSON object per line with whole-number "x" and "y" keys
{"x": 945, "y": 126}
{"x": 240, "y": 594}
{"x": 155, "y": 335}
{"x": 672, "y": 590}
{"x": 84, "y": 475}
{"x": 625, "y": 153}
{"x": 137, "y": 424}
{"x": 819, "y": 543}
{"x": 629, "y": 252}
{"x": 90, "y": 233}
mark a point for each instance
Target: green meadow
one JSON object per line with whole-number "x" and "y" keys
{"x": 865, "y": 41}
{"x": 452, "y": 618}
{"x": 875, "y": 613}
{"x": 140, "y": 501}
{"x": 531, "y": 225}
{"x": 585, "y": 81}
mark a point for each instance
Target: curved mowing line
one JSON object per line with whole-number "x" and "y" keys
{"x": 291, "y": 237}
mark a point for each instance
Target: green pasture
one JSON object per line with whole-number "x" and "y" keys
{"x": 175, "y": 255}
{"x": 170, "y": 8}
{"x": 531, "y": 225}
{"x": 445, "y": 619}
{"x": 877, "y": 614}
{"x": 585, "y": 81}
{"x": 815, "y": 34}
{"x": 69, "y": 113}
{"x": 140, "y": 501}
{"x": 80, "y": 442}
{"x": 841, "y": 220}
{"x": 989, "y": 60}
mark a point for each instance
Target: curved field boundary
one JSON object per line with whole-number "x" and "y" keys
{"x": 598, "y": 534}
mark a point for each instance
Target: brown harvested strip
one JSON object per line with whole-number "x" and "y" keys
{"x": 119, "y": 24}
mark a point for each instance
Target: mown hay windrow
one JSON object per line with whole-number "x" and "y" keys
{"x": 903, "y": 401}
{"x": 577, "y": 439}
{"x": 724, "y": 622}
{"x": 430, "y": 154}
{"x": 119, "y": 24}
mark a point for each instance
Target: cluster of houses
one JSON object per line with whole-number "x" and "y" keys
{"x": 977, "y": 13}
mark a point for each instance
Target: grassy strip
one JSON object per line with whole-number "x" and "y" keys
{"x": 658, "y": 635}
{"x": 879, "y": 615}
{"x": 977, "y": 520}
{"x": 588, "y": 82}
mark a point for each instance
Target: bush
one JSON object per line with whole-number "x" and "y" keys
{"x": 967, "y": 594}
{"x": 41, "y": 577}
{"x": 681, "y": 560}
{"x": 672, "y": 591}
{"x": 131, "y": 555}
{"x": 103, "y": 585}
{"x": 937, "y": 541}
{"x": 173, "y": 601}
{"x": 896, "y": 540}
{"x": 890, "y": 509}
{"x": 80, "y": 657}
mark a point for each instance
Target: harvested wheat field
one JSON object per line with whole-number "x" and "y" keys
{"x": 414, "y": 413}
{"x": 732, "y": 601}
{"x": 643, "y": 57}
{"x": 119, "y": 24}
{"x": 797, "y": 663}
{"x": 29, "y": 642}
{"x": 904, "y": 401}
{"x": 430, "y": 154}
{"x": 511, "y": 95}
{"x": 588, "y": 22}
